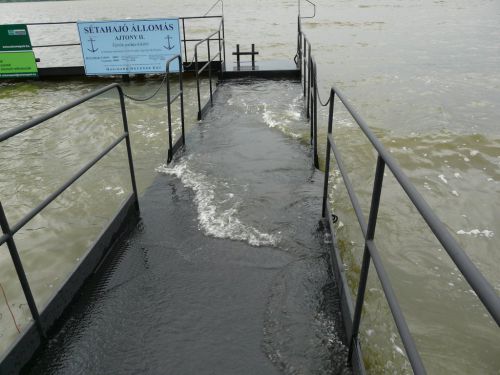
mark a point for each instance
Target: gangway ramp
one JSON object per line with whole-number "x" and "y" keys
{"x": 225, "y": 271}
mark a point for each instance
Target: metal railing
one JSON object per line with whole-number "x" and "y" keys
{"x": 208, "y": 64}
{"x": 474, "y": 277}
{"x": 185, "y": 40}
{"x": 10, "y": 231}
{"x": 308, "y": 71}
{"x": 172, "y": 149}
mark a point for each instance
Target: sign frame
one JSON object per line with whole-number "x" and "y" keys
{"x": 130, "y": 46}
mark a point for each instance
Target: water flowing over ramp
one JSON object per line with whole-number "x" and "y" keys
{"x": 226, "y": 271}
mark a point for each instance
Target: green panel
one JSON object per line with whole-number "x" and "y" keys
{"x": 18, "y": 64}
{"x": 14, "y": 38}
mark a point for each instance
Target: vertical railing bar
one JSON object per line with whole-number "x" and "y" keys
{"x": 18, "y": 265}
{"x": 169, "y": 118}
{"x": 309, "y": 68}
{"x": 220, "y": 55}
{"x": 210, "y": 72}
{"x": 315, "y": 117}
{"x": 328, "y": 154}
{"x": 181, "y": 85}
{"x": 223, "y": 41}
{"x": 129, "y": 147}
{"x": 370, "y": 234}
{"x": 185, "y": 42}
{"x": 310, "y": 100}
{"x": 305, "y": 66}
{"x": 197, "y": 80}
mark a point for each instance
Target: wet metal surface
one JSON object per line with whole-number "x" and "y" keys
{"x": 226, "y": 272}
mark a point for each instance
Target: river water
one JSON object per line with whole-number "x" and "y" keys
{"x": 426, "y": 77}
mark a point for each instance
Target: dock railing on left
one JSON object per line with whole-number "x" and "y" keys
{"x": 29, "y": 340}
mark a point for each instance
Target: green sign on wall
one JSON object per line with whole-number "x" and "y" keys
{"x": 16, "y": 55}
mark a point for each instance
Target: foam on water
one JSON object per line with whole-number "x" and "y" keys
{"x": 213, "y": 219}
{"x": 477, "y": 232}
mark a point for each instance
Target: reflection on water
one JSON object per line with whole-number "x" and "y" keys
{"x": 424, "y": 74}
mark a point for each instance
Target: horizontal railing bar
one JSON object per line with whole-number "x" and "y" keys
{"x": 74, "y": 22}
{"x": 56, "y": 45}
{"x": 50, "y": 23}
{"x": 66, "y": 185}
{"x": 200, "y": 17}
{"x": 208, "y": 63}
{"x": 399, "y": 319}
{"x": 474, "y": 277}
{"x": 245, "y": 53}
{"x": 178, "y": 144}
{"x": 349, "y": 186}
{"x": 78, "y": 44}
{"x": 4, "y": 238}
{"x": 30, "y": 124}
{"x": 199, "y": 40}
{"x": 208, "y": 37}
{"x": 175, "y": 97}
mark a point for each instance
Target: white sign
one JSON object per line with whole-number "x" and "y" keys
{"x": 129, "y": 46}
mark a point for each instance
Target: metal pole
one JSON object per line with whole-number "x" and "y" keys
{"x": 304, "y": 61}
{"x": 210, "y": 71}
{"x": 309, "y": 67}
{"x": 224, "y": 42}
{"x": 182, "y": 101}
{"x": 253, "y": 56}
{"x": 169, "y": 119}
{"x": 20, "y": 272}
{"x": 220, "y": 55}
{"x": 197, "y": 81}
{"x": 185, "y": 43}
{"x": 315, "y": 117}
{"x": 238, "y": 55}
{"x": 129, "y": 147}
{"x": 370, "y": 234}
{"x": 328, "y": 154}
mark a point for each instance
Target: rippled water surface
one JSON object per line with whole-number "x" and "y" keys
{"x": 426, "y": 77}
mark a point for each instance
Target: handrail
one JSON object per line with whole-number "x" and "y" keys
{"x": 184, "y": 39}
{"x": 314, "y": 10}
{"x": 198, "y": 71}
{"x": 474, "y": 277}
{"x": 172, "y": 149}
{"x": 9, "y": 232}
{"x": 213, "y": 6}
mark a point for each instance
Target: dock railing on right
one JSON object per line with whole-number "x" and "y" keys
{"x": 484, "y": 290}
{"x": 210, "y": 59}
{"x": 352, "y": 314}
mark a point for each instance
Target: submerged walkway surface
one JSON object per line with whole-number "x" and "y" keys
{"x": 226, "y": 273}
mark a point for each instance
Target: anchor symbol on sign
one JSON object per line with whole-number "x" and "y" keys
{"x": 92, "y": 44}
{"x": 169, "y": 47}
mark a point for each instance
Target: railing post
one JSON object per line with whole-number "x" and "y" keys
{"x": 20, "y": 272}
{"x": 129, "y": 147}
{"x": 315, "y": 116}
{"x": 304, "y": 63}
{"x": 185, "y": 43}
{"x": 210, "y": 72}
{"x": 169, "y": 118}
{"x": 370, "y": 234}
{"x": 197, "y": 81}
{"x": 299, "y": 49}
{"x": 220, "y": 55}
{"x": 223, "y": 41}
{"x": 309, "y": 75}
{"x": 328, "y": 154}
{"x": 181, "y": 85}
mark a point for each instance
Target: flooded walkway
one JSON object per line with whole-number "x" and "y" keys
{"x": 227, "y": 270}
